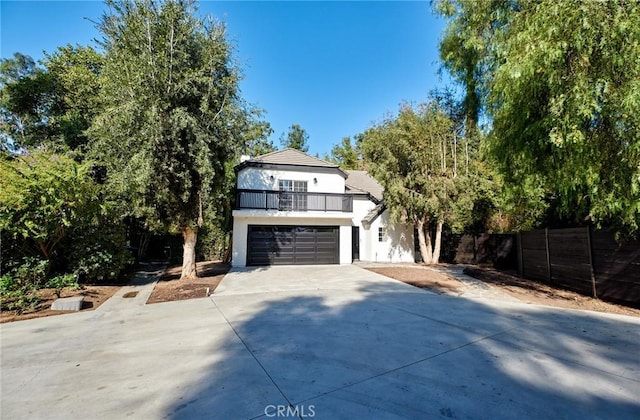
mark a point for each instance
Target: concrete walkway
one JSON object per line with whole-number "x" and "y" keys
{"x": 325, "y": 342}
{"x": 137, "y": 292}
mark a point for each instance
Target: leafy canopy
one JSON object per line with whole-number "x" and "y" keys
{"x": 560, "y": 81}
{"x": 413, "y": 156}
{"x": 172, "y": 113}
{"x": 52, "y": 104}
{"x": 43, "y": 196}
{"x": 296, "y": 138}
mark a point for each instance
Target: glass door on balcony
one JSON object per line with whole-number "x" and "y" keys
{"x": 297, "y": 202}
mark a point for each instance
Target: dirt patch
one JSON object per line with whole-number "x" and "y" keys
{"x": 94, "y": 296}
{"x": 531, "y": 291}
{"x": 422, "y": 278}
{"x": 170, "y": 288}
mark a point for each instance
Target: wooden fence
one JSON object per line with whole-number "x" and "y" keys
{"x": 496, "y": 250}
{"x": 579, "y": 259}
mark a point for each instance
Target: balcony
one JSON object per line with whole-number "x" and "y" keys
{"x": 293, "y": 201}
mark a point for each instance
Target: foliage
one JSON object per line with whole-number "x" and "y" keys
{"x": 296, "y": 138}
{"x": 50, "y": 105}
{"x": 172, "y": 115}
{"x": 256, "y": 137}
{"x": 42, "y": 195}
{"x": 414, "y": 156}
{"x": 25, "y": 100}
{"x": 347, "y": 155}
{"x": 76, "y": 72}
{"x": 560, "y": 81}
{"x": 59, "y": 282}
{"x": 48, "y": 200}
{"x": 29, "y": 272}
{"x": 96, "y": 248}
{"x": 18, "y": 286}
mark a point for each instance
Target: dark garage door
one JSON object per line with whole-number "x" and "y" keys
{"x": 290, "y": 245}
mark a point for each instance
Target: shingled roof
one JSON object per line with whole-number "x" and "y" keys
{"x": 362, "y": 182}
{"x": 289, "y": 157}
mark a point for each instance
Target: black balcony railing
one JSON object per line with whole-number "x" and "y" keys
{"x": 293, "y": 201}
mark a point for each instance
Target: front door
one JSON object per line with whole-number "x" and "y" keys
{"x": 355, "y": 243}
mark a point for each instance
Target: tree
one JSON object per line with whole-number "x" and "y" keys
{"x": 53, "y": 104}
{"x": 346, "y": 155}
{"x": 75, "y": 71}
{"x": 44, "y": 197}
{"x": 560, "y": 84}
{"x": 25, "y": 101}
{"x": 296, "y": 138}
{"x": 172, "y": 114}
{"x": 257, "y": 141}
{"x": 412, "y": 155}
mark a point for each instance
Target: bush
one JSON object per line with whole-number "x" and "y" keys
{"x": 15, "y": 296}
{"x": 61, "y": 281}
{"x": 31, "y": 273}
{"x": 98, "y": 251}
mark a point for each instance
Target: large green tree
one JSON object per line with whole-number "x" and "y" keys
{"x": 560, "y": 82}
{"x": 295, "y": 138}
{"x": 52, "y": 103}
{"x": 414, "y": 156}
{"x": 172, "y": 114}
{"x": 346, "y": 154}
{"x": 50, "y": 203}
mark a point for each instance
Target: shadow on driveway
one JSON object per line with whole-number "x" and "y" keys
{"x": 402, "y": 353}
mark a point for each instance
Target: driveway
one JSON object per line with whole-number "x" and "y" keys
{"x": 325, "y": 342}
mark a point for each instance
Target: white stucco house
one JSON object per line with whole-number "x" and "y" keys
{"x": 292, "y": 208}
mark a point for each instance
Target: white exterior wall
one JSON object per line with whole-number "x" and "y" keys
{"x": 241, "y": 229}
{"x": 398, "y": 247}
{"x": 260, "y": 179}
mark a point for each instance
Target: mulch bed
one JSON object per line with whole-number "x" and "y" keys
{"x": 170, "y": 288}
{"x": 531, "y": 291}
{"x": 423, "y": 278}
{"x": 94, "y": 296}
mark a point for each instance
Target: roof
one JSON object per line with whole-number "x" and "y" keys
{"x": 362, "y": 182}
{"x": 374, "y": 213}
{"x": 289, "y": 157}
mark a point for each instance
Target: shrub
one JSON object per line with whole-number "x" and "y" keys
{"x": 61, "y": 281}
{"x": 30, "y": 272}
{"x": 15, "y": 296}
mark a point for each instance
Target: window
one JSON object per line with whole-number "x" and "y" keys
{"x": 295, "y": 186}
{"x": 382, "y": 234}
{"x": 293, "y": 201}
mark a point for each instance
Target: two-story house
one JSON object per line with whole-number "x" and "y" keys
{"x": 292, "y": 208}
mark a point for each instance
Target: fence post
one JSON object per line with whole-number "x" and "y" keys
{"x": 546, "y": 240}
{"x": 520, "y": 256}
{"x": 475, "y": 257}
{"x": 591, "y": 269}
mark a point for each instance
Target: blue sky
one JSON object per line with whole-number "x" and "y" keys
{"x": 332, "y": 67}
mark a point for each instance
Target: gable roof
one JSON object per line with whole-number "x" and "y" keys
{"x": 374, "y": 213}
{"x": 289, "y": 157}
{"x": 362, "y": 182}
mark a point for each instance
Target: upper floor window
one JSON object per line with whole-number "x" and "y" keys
{"x": 289, "y": 185}
{"x": 293, "y": 201}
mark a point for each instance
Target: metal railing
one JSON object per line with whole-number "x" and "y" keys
{"x": 293, "y": 201}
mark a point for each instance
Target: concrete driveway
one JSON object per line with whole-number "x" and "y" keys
{"x": 325, "y": 342}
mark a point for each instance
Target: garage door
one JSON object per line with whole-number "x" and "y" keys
{"x": 291, "y": 245}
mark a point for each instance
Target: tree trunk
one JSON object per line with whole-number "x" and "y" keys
{"x": 190, "y": 236}
{"x": 424, "y": 242}
{"x": 436, "y": 247}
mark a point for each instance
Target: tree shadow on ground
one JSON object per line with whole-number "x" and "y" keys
{"x": 402, "y": 353}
